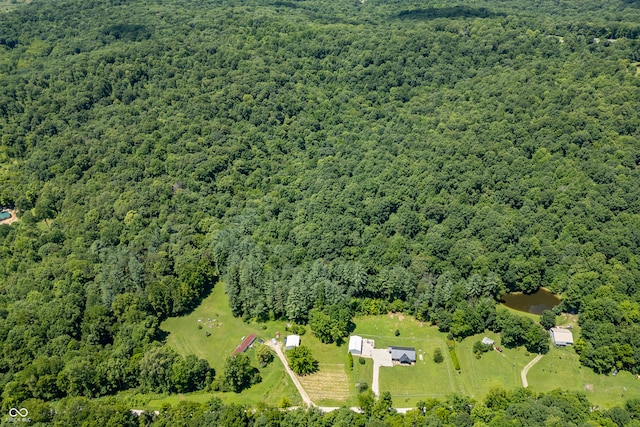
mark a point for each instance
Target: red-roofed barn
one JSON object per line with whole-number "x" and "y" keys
{"x": 244, "y": 345}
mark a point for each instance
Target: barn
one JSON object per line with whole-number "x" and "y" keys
{"x": 562, "y": 337}
{"x": 244, "y": 345}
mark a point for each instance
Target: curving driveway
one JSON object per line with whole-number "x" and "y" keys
{"x": 303, "y": 394}
{"x": 525, "y": 370}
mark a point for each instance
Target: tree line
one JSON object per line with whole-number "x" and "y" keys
{"x": 519, "y": 407}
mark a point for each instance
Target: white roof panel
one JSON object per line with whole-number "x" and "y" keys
{"x": 355, "y": 343}
{"x": 562, "y": 335}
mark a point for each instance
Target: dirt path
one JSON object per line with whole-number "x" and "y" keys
{"x": 525, "y": 370}
{"x": 305, "y": 397}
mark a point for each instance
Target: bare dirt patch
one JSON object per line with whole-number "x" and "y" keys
{"x": 588, "y": 387}
{"x": 400, "y": 316}
{"x": 330, "y": 383}
{"x": 566, "y": 319}
{"x": 11, "y": 220}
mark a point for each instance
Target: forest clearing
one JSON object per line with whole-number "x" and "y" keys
{"x": 334, "y": 385}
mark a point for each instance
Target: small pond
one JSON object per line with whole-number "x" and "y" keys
{"x": 534, "y": 303}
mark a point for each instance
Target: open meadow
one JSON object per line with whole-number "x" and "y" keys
{"x": 225, "y": 333}
{"x": 332, "y": 385}
{"x": 561, "y": 368}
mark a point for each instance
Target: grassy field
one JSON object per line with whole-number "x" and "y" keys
{"x": 226, "y": 332}
{"x": 534, "y": 317}
{"x": 334, "y": 384}
{"x": 493, "y": 369}
{"x": 362, "y": 372}
{"x": 561, "y": 368}
{"x": 427, "y": 379}
{"x": 330, "y": 386}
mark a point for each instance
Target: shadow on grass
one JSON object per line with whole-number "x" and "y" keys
{"x": 448, "y": 12}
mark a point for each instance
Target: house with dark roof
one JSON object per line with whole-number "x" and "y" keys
{"x": 403, "y": 355}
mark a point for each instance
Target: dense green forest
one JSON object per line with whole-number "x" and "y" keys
{"x": 317, "y": 157}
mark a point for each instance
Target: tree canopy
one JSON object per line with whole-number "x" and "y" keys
{"x": 317, "y": 157}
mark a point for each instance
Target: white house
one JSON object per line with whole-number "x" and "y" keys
{"x": 355, "y": 345}
{"x": 291, "y": 342}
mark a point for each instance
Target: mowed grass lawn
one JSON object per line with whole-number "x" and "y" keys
{"x": 226, "y": 332}
{"x": 427, "y": 379}
{"x": 335, "y": 383}
{"x": 409, "y": 384}
{"x": 362, "y": 372}
{"x": 561, "y": 368}
{"x": 491, "y": 370}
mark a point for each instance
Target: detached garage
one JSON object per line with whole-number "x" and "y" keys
{"x": 355, "y": 345}
{"x": 291, "y": 342}
{"x": 561, "y": 337}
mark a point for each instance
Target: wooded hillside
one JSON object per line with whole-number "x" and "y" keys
{"x": 312, "y": 154}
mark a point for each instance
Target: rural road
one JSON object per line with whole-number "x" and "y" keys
{"x": 525, "y": 370}
{"x": 305, "y": 397}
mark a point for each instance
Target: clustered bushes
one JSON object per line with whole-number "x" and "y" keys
{"x": 452, "y": 352}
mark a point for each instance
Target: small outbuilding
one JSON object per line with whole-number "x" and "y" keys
{"x": 291, "y": 342}
{"x": 244, "y": 345}
{"x": 562, "y": 337}
{"x": 5, "y": 215}
{"x": 487, "y": 341}
{"x": 355, "y": 345}
{"x": 403, "y": 355}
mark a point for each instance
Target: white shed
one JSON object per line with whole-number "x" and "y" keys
{"x": 355, "y": 345}
{"x": 487, "y": 341}
{"x": 291, "y": 342}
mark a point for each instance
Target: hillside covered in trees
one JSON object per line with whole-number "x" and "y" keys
{"x": 330, "y": 155}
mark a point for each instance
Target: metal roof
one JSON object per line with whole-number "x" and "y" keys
{"x": 398, "y": 352}
{"x": 244, "y": 345}
{"x": 561, "y": 335}
{"x": 292, "y": 341}
{"x": 355, "y": 343}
